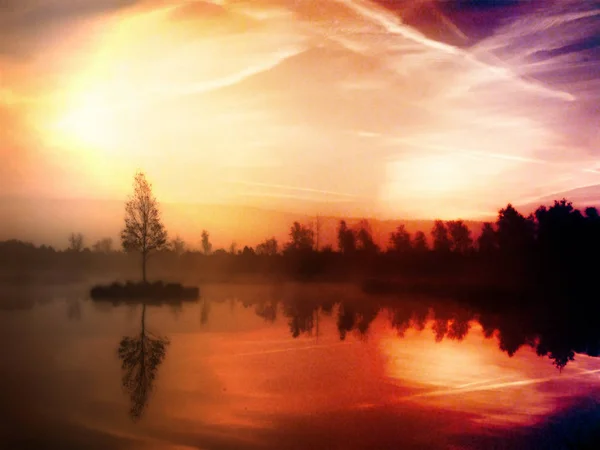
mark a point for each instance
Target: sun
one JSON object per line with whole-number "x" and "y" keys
{"x": 88, "y": 122}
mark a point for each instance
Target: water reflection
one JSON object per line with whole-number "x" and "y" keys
{"x": 557, "y": 334}
{"x": 244, "y": 371}
{"x": 550, "y": 333}
{"x": 141, "y": 355}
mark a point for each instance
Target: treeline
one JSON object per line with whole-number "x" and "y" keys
{"x": 557, "y": 243}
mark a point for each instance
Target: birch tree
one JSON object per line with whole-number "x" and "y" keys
{"x": 144, "y": 231}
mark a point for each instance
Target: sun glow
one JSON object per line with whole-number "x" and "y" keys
{"x": 203, "y": 93}
{"x": 88, "y": 124}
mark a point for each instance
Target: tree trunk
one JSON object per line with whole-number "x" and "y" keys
{"x": 143, "y": 321}
{"x": 144, "y": 267}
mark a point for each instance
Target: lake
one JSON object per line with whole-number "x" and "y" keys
{"x": 286, "y": 366}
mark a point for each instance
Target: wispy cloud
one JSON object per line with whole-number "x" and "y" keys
{"x": 272, "y": 187}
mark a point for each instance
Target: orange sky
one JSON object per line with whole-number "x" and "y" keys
{"x": 280, "y": 103}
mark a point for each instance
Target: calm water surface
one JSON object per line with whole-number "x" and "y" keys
{"x": 272, "y": 367}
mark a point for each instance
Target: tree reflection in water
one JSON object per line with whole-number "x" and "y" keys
{"x": 557, "y": 333}
{"x": 141, "y": 356}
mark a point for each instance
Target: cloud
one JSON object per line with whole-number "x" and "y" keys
{"x": 27, "y": 26}
{"x": 347, "y": 96}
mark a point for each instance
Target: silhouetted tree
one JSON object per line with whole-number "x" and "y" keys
{"x": 317, "y": 233}
{"x": 487, "y": 241}
{"x": 140, "y": 357}
{"x": 301, "y": 238}
{"x": 269, "y": 247}
{"x": 248, "y": 251}
{"x": 144, "y": 231}
{"x": 562, "y": 239}
{"x": 233, "y": 248}
{"x": 419, "y": 243}
{"x": 178, "y": 246}
{"x": 400, "y": 240}
{"x": 559, "y": 227}
{"x": 592, "y": 231}
{"x": 206, "y": 245}
{"x": 515, "y": 233}
{"x": 103, "y": 246}
{"x": 460, "y": 236}
{"x": 441, "y": 239}
{"x": 76, "y": 242}
{"x": 346, "y": 239}
{"x": 591, "y": 213}
{"x": 364, "y": 238}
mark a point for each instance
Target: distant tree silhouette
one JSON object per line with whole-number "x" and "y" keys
{"x": 140, "y": 357}
{"x": 317, "y": 228}
{"x": 301, "y": 238}
{"x": 591, "y": 213}
{"x": 562, "y": 238}
{"x": 269, "y": 247}
{"x": 515, "y": 233}
{"x": 364, "y": 238}
{"x": 487, "y": 241}
{"x": 233, "y": 248}
{"x": 592, "y": 231}
{"x": 206, "y": 245}
{"x": 441, "y": 239}
{"x": 178, "y": 246}
{"x": 460, "y": 236}
{"x": 346, "y": 239}
{"x": 76, "y": 242}
{"x": 144, "y": 231}
{"x": 559, "y": 227}
{"x": 419, "y": 243}
{"x": 104, "y": 246}
{"x": 248, "y": 251}
{"x": 400, "y": 240}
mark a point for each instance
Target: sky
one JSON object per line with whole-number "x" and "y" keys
{"x": 413, "y": 109}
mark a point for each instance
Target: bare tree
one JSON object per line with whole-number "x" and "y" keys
{"x": 144, "y": 231}
{"x": 103, "y": 246}
{"x": 76, "y": 242}
{"x": 206, "y": 245}
{"x": 318, "y": 225}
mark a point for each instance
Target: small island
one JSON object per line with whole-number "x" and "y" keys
{"x": 150, "y": 291}
{"x": 144, "y": 233}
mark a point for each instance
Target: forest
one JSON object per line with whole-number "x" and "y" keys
{"x": 556, "y": 246}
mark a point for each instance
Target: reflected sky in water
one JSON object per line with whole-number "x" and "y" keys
{"x": 227, "y": 372}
